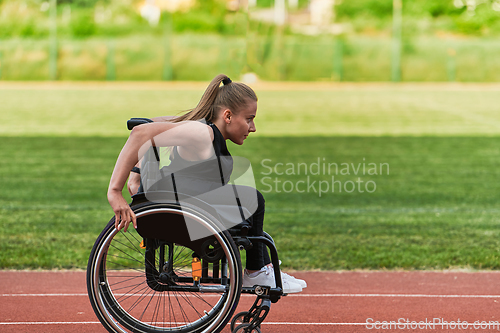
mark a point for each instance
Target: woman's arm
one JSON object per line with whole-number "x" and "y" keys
{"x": 192, "y": 135}
{"x": 163, "y": 118}
{"x": 134, "y": 178}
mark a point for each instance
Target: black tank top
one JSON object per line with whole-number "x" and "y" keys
{"x": 200, "y": 178}
{"x": 216, "y": 169}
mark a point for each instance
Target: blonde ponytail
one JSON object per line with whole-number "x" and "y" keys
{"x": 231, "y": 95}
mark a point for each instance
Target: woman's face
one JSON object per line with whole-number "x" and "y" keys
{"x": 242, "y": 124}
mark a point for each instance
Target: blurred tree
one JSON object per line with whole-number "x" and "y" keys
{"x": 440, "y": 8}
{"x": 205, "y": 16}
{"x": 383, "y": 8}
{"x": 374, "y": 8}
{"x": 478, "y": 19}
{"x": 80, "y": 3}
{"x": 83, "y": 24}
{"x": 270, "y": 3}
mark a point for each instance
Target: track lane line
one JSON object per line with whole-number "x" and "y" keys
{"x": 97, "y": 322}
{"x": 291, "y": 295}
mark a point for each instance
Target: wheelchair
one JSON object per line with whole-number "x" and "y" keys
{"x": 157, "y": 278}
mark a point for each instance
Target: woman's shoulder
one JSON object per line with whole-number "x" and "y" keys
{"x": 197, "y": 128}
{"x": 216, "y": 132}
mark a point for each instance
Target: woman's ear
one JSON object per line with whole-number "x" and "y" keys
{"x": 227, "y": 115}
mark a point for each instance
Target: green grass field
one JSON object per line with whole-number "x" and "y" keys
{"x": 434, "y": 207}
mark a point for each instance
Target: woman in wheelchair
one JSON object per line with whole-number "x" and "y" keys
{"x": 229, "y": 111}
{"x": 199, "y": 170}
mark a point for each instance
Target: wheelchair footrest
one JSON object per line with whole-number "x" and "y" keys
{"x": 249, "y": 321}
{"x": 274, "y": 294}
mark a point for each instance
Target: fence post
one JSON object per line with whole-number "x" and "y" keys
{"x": 53, "y": 41}
{"x": 248, "y": 40}
{"x": 223, "y": 56}
{"x": 397, "y": 20}
{"x": 280, "y": 14}
{"x": 452, "y": 65}
{"x": 338, "y": 56}
{"x": 280, "y": 50}
{"x": 110, "y": 61}
{"x": 168, "y": 72}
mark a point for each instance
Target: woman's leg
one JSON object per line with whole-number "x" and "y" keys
{"x": 257, "y": 256}
{"x": 254, "y": 206}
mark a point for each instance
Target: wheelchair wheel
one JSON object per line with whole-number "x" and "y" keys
{"x": 149, "y": 285}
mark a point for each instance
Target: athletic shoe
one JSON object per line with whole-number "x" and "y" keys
{"x": 265, "y": 277}
{"x": 285, "y": 276}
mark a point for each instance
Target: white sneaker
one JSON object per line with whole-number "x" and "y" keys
{"x": 266, "y": 278}
{"x": 285, "y": 276}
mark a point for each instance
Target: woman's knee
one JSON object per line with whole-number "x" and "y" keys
{"x": 260, "y": 198}
{"x": 261, "y": 203}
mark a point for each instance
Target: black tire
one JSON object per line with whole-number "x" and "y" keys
{"x": 124, "y": 298}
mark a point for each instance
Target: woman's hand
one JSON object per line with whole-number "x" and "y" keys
{"x": 123, "y": 214}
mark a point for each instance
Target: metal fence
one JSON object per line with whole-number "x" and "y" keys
{"x": 272, "y": 55}
{"x": 200, "y": 57}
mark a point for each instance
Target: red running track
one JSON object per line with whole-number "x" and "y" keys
{"x": 39, "y": 301}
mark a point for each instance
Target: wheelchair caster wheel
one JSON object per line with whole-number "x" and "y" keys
{"x": 244, "y": 328}
{"x": 239, "y": 319}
